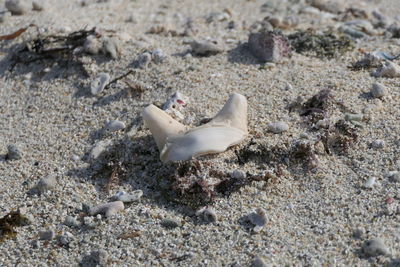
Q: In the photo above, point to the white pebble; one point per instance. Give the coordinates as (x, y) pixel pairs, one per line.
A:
(99, 83)
(124, 197)
(158, 56)
(115, 125)
(238, 174)
(375, 247)
(277, 127)
(378, 90)
(108, 209)
(92, 45)
(258, 219)
(46, 235)
(99, 148)
(47, 183)
(205, 48)
(370, 183)
(18, 7)
(111, 47)
(143, 60)
(207, 214)
(377, 144)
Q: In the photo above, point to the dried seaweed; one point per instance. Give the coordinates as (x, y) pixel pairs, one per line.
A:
(340, 137)
(326, 45)
(316, 104)
(8, 224)
(16, 33)
(52, 47)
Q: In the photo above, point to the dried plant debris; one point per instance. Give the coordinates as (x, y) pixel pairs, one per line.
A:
(340, 137)
(9, 222)
(325, 45)
(63, 49)
(16, 33)
(197, 184)
(314, 108)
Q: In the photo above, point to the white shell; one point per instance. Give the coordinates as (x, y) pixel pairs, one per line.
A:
(228, 128)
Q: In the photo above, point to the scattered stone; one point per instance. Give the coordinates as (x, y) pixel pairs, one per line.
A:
(170, 223)
(331, 6)
(269, 46)
(352, 32)
(388, 70)
(394, 176)
(47, 183)
(238, 174)
(128, 198)
(99, 83)
(358, 233)
(394, 29)
(66, 238)
(258, 262)
(71, 221)
(92, 45)
(47, 235)
(143, 60)
(35, 243)
(13, 153)
(4, 16)
(99, 148)
(375, 247)
(277, 127)
(205, 48)
(75, 157)
(378, 90)
(353, 117)
(158, 56)
(111, 47)
(258, 219)
(38, 5)
(114, 125)
(96, 258)
(207, 214)
(18, 7)
(108, 209)
(378, 144)
(369, 184)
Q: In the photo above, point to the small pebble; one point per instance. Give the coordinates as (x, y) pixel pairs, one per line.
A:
(92, 45)
(99, 83)
(66, 238)
(378, 90)
(128, 198)
(394, 176)
(71, 222)
(258, 219)
(158, 56)
(38, 5)
(111, 47)
(378, 144)
(13, 153)
(143, 60)
(114, 125)
(170, 223)
(388, 70)
(4, 16)
(258, 262)
(47, 183)
(374, 248)
(35, 243)
(108, 209)
(99, 148)
(370, 183)
(277, 127)
(207, 214)
(353, 117)
(46, 235)
(358, 233)
(18, 7)
(238, 174)
(269, 46)
(205, 48)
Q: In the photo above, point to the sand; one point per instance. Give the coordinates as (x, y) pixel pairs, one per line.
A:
(46, 109)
